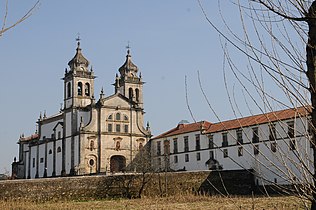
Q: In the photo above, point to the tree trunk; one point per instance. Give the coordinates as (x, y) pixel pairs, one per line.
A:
(311, 71)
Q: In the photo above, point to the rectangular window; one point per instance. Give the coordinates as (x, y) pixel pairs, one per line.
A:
(198, 156)
(292, 144)
(33, 162)
(210, 142)
(159, 162)
(158, 148)
(225, 140)
(175, 145)
(197, 142)
(42, 160)
(290, 129)
(239, 136)
(110, 128)
(126, 128)
(118, 128)
(211, 154)
(255, 135)
(175, 159)
(186, 157)
(240, 151)
(256, 149)
(186, 143)
(59, 135)
(273, 146)
(166, 147)
(225, 153)
(272, 131)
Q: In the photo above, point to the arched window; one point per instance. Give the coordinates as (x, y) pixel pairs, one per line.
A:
(87, 89)
(137, 94)
(118, 116)
(58, 149)
(68, 90)
(79, 89)
(130, 93)
(50, 151)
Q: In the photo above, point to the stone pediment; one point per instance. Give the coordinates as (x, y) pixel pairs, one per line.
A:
(117, 100)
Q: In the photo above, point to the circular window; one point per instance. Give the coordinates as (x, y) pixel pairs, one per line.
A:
(91, 162)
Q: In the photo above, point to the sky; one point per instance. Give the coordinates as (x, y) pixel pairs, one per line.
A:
(169, 40)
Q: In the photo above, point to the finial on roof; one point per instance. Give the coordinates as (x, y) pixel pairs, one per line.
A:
(78, 39)
(44, 114)
(147, 127)
(128, 48)
(102, 93)
(40, 117)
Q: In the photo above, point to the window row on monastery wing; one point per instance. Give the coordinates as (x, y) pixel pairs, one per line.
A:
(117, 117)
(185, 142)
(118, 128)
(187, 157)
(254, 137)
(256, 148)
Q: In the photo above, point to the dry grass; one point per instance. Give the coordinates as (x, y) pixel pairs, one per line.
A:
(173, 202)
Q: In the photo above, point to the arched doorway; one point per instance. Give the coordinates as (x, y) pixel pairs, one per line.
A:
(117, 163)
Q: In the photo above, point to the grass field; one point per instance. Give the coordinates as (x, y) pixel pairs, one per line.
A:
(173, 202)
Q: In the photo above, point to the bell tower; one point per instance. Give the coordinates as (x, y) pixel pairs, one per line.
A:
(130, 83)
(78, 81)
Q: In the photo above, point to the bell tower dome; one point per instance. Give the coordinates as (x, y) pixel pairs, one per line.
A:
(130, 83)
(78, 81)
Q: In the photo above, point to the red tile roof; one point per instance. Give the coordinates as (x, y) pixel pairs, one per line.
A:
(29, 138)
(237, 123)
(259, 119)
(185, 128)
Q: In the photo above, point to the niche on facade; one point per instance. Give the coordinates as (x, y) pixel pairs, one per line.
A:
(140, 143)
(91, 143)
(117, 143)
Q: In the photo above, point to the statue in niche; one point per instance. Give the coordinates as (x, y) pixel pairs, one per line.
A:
(117, 145)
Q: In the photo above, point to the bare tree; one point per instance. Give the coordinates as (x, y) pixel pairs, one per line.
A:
(278, 41)
(142, 165)
(5, 27)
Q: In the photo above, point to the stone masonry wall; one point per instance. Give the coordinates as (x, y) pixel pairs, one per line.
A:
(101, 186)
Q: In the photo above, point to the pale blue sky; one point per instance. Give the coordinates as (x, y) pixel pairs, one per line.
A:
(168, 39)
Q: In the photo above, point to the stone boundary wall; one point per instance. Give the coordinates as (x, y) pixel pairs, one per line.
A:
(123, 185)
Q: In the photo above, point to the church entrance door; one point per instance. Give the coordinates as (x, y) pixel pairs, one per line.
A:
(117, 163)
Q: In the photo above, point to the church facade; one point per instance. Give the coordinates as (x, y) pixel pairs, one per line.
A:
(88, 136)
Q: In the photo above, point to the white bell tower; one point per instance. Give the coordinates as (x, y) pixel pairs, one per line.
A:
(78, 81)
